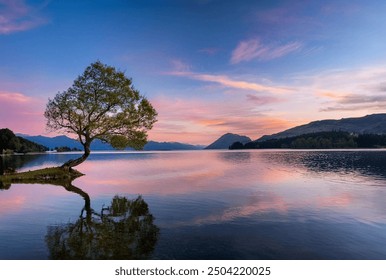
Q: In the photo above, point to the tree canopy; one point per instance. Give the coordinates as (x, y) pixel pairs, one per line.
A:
(101, 104)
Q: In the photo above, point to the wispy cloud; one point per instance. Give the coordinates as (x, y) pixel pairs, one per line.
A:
(16, 16)
(381, 87)
(262, 100)
(226, 81)
(13, 97)
(356, 91)
(356, 102)
(360, 99)
(254, 49)
(180, 66)
(268, 106)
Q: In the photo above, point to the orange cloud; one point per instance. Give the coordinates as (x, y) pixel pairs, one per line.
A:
(201, 122)
(231, 83)
(211, 122)
(330, 95)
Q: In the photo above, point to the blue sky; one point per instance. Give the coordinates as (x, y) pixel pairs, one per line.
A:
(208, 67)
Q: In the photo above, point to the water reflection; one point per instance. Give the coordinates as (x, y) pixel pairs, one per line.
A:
(4, 186)
(33, 161)
(241, 157)
(366, 163)
(209, 205)
(123, 230)
(14, 162)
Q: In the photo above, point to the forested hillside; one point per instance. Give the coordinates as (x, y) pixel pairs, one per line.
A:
(320, 140)
(10, 143)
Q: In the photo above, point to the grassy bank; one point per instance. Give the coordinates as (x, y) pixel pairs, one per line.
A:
(52, 175)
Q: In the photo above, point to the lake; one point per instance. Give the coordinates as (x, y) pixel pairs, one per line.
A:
(258, 204)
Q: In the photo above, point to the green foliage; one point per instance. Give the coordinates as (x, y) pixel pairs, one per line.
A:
(7, 140)
(102, 104)
(319, 140)
(236, 146)
(65, 149)
(10, 143)
(371, 140)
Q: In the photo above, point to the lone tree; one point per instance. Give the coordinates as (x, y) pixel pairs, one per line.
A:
(101, 104)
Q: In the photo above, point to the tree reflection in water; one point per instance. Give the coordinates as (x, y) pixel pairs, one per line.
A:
(124, 230)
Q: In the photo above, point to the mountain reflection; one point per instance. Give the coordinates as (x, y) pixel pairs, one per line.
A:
(366, 163)
(123, 230)
(14, 162)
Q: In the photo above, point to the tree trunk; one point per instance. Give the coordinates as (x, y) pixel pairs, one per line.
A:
(87, 202)
(74, 162)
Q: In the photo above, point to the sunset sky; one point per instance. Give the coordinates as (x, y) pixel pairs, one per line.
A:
(208, 66)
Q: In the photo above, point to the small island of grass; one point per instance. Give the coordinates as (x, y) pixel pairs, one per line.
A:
(50, 175)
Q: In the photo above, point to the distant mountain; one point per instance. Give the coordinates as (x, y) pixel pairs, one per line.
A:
(167, 146)
(370, 124)
(98, 145)
(64, 141)
(226, 140)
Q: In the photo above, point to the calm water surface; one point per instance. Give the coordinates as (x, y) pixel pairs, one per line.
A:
(201, 205)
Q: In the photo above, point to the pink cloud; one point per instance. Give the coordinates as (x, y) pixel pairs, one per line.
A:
(21, 113)
(13, 97)
(254, 49)
(346, 92)
(248, 50)
(201, 122)
(261, 100)
(17, 16)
